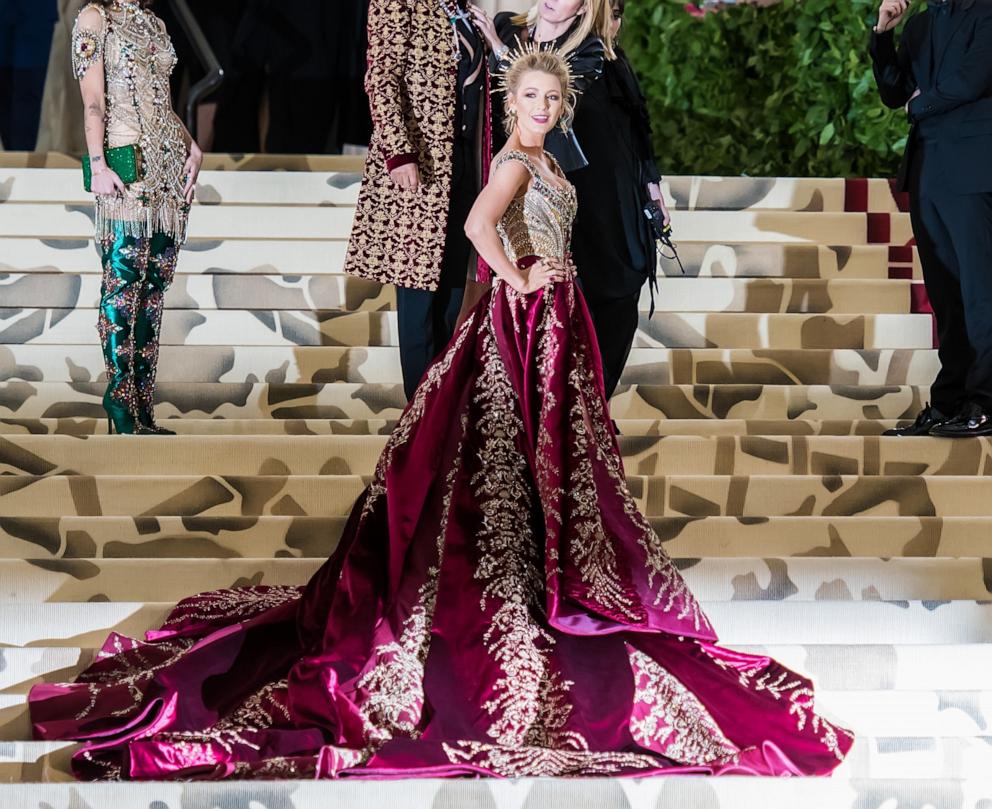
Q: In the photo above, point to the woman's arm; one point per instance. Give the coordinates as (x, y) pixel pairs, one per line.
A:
(643, 139)
(506, 184)
(499, 33)
(88, 36)
(194, 161)
(586, 63)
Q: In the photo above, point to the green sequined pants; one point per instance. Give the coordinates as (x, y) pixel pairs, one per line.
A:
(136, 273)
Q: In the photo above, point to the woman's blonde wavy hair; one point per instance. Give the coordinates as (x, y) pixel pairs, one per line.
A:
(549, 62)
(595, 19)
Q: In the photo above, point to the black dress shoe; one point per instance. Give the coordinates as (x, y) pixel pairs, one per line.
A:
(973, 420)
(929, 418)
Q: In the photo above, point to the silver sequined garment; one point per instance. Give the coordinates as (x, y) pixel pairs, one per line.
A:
(137, 57)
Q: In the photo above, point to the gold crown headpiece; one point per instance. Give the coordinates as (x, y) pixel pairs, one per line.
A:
(525, 50)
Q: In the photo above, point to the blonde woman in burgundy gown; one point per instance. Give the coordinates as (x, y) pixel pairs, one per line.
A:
(497, 605)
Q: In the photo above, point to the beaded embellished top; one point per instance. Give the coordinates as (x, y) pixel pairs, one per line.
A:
(538, 223)
(137, 57)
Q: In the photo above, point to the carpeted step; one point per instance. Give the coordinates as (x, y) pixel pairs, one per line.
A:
(699, 427)
(652, 366)
(756, 260)
(781, 295)
(722, 579)
(813, 536)
(767, 402)
(810, 194)
(97, 537)
(358, 455)
(738, 623)
(738, 330)
(341, 400)
(272, 293)
(797, 455)
(704, 258)
(755, 193)
(322, 188)
(899, 667)
(272, 427)
(728, 330)
(39, 220)
(190, 455)
(211, 162)
(761, 496)
(739, 792)
(77, 254)
(185, 496)
(27, 766)
(756, 496)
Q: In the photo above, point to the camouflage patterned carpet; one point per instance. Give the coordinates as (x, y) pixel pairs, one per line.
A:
(751, 411)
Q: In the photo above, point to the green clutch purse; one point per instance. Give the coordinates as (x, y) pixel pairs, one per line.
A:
(124, 161)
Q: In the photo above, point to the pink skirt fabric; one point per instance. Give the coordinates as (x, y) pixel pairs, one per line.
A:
(497, 606)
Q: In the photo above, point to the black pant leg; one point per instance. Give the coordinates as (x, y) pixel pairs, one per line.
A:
(969, 219)
(458, 250)
(941, 278)
(615, 321)
(427, 319)
(415, 318)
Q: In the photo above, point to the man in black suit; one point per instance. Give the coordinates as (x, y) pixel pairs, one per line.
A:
(942, 74)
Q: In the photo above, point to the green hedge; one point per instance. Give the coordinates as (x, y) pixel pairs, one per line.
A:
(782, 91)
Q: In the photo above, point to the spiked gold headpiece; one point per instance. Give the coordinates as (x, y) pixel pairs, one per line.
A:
(511, 60)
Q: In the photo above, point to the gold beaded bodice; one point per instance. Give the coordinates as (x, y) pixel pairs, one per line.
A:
(138, 58)
(539, 223)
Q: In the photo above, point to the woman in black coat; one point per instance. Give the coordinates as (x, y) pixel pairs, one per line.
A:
(608, 157)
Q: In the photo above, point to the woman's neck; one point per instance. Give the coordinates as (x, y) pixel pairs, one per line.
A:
(549, 31)
(527, 142)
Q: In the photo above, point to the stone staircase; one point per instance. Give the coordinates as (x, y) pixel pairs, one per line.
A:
(751, 414)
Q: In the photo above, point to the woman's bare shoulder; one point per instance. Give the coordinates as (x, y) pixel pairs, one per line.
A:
(91, 17)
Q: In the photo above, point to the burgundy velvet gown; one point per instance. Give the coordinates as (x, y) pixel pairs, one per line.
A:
(497, 606)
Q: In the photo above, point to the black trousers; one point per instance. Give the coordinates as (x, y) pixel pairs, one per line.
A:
(954, 237)
(615, 321)
(427, 319)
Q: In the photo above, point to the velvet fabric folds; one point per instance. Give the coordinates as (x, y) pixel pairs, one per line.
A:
(497, 606)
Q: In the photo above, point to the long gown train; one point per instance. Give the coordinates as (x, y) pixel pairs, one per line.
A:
(497, 605)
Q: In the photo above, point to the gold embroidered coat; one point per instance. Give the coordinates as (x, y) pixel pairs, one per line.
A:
(398, 236)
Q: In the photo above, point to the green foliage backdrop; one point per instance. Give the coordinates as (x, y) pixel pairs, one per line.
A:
(781, 91)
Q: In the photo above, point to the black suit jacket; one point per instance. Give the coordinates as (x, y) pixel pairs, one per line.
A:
(954, 108)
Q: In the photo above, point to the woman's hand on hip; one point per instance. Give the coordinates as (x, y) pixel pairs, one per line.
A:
(191, 171)
(106, 183)
(543, 273)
